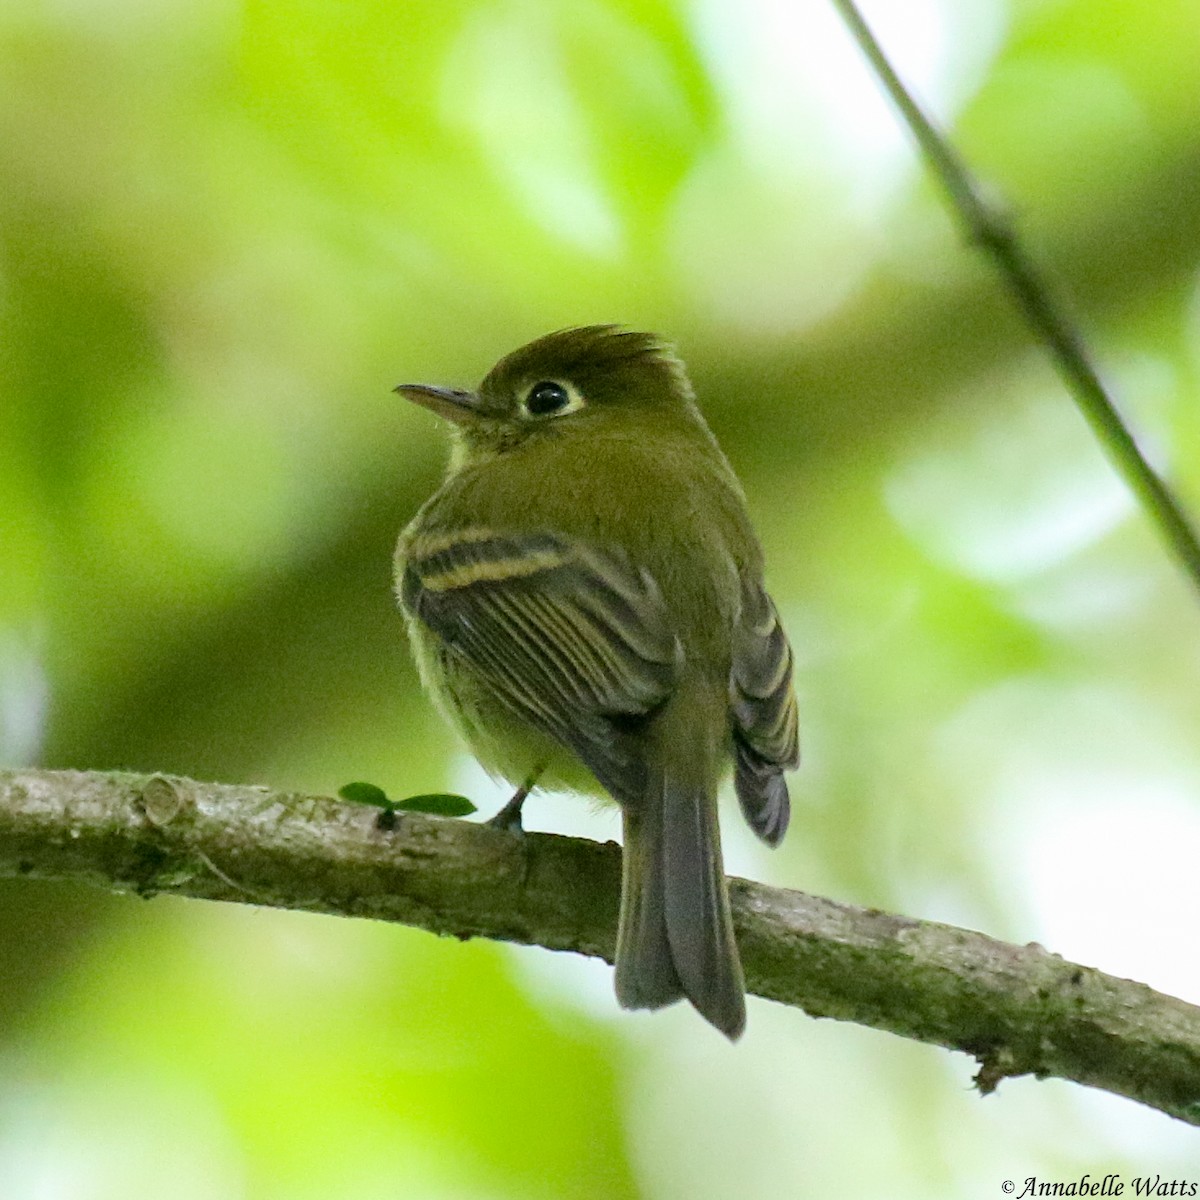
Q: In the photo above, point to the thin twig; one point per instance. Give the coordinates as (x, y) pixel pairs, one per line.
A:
(1017, 1009)
(993, 232)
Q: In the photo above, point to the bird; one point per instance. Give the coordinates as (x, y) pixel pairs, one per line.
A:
(585, 601)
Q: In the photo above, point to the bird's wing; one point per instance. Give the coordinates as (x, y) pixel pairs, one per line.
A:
(572, 638)
(766, 741)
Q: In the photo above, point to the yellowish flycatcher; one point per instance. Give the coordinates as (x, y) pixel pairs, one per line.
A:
(584, 595)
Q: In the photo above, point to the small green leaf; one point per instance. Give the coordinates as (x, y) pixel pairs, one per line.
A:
(365, 793)
(440, 804)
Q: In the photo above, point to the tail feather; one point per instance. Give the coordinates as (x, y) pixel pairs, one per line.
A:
(676, 934)
(645, 975)
(699, 924)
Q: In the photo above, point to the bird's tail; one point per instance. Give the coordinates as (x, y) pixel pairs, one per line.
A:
(676, 935)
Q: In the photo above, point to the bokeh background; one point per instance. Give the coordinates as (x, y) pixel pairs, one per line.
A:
(226, 230)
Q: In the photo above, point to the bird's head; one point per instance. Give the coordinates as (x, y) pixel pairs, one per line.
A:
(584, 382)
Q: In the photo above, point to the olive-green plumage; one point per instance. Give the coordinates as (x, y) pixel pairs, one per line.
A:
(585, 601)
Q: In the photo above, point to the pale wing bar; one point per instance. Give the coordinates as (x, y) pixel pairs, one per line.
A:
(574, 639)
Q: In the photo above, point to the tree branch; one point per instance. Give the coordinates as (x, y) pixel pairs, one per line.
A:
(987, 226)
(1018, 1010)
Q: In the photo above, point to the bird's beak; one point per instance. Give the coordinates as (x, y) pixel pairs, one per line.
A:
(451, 403)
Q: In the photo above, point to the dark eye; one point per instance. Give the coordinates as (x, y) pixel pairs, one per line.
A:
(545, 398)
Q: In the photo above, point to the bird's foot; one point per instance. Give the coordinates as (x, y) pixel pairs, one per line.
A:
(509, 817)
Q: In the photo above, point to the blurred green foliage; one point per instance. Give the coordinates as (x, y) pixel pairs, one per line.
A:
(227, 230)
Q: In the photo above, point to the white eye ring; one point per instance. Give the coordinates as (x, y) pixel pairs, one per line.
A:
(551, 398)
